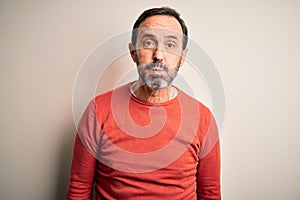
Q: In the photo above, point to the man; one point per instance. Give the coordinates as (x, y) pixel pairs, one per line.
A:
(148, 139)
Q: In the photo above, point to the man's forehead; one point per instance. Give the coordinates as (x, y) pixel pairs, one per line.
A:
(156, 32)
(163, 22)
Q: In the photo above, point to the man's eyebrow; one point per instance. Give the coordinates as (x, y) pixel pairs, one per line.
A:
(172, 36)
(149, 35)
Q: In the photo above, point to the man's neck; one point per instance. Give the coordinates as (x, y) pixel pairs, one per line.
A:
(149, 95)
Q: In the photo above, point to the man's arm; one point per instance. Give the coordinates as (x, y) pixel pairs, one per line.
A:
(208, 175)
(82, 173)
(84, 156)
(208, 170)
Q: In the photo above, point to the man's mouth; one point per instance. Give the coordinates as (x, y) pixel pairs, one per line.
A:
(157, 69)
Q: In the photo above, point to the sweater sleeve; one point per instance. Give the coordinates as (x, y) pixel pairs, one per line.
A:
(208, 171)
(82, 173)
(84, 160)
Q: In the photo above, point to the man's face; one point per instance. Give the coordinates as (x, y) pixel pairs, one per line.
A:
(158, 51)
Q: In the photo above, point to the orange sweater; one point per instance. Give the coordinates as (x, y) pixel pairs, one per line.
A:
(136, 150)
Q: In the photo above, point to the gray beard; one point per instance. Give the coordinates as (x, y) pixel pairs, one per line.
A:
(157, 81)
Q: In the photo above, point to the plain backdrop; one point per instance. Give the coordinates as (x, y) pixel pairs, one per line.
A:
(254, 44)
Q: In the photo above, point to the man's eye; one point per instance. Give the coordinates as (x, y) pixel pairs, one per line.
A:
(171, 45)
(149, 44)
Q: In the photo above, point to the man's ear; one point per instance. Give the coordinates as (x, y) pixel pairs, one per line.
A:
(184, 52)
(132, 52)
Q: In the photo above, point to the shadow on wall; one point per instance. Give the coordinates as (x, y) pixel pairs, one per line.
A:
(63, 165)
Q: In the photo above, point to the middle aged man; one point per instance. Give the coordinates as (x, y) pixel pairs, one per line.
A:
(148, 139)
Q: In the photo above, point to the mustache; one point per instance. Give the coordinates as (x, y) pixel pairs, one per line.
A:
(157, 64)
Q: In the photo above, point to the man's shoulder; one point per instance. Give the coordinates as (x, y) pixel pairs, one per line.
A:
(106, 97)
(188, 98)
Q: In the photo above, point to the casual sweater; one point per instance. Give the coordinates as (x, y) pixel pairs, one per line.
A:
(129, 149)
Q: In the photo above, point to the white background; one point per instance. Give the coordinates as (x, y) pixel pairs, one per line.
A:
(254, 44)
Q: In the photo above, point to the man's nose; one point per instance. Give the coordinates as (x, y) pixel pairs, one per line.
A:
(158, 54)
